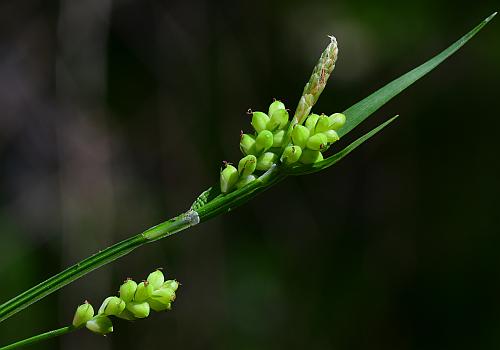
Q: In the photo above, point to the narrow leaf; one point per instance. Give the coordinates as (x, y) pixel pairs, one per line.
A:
(312, 168)
(363, 109)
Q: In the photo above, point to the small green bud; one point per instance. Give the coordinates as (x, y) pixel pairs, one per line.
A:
(172, 284)
(310, 156)
(156, 279)
(266, 160)
(331, 136)
(161, 299)
(278, 120)
(246, 166)
(245, 181)
(259, 121)
(127, 290)
(157, 306)
(300, 134)
(291, 154)
(278, 138)
(317, 142)
(337, 120)
(111, 306)
(228, 178)
(323, 124)
(144, 291)
(138, 309)
(311, 121)
(247, 144)
(100, 324)
(275, 106)
(263, 141)
(83, 314)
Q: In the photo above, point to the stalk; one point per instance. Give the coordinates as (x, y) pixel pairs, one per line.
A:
(40, 337)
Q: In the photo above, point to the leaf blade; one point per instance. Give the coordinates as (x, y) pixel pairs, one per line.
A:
(366, 107)
(328, 162)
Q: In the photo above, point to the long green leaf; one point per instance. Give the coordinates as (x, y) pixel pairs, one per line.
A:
(313, 168)
(364, 108)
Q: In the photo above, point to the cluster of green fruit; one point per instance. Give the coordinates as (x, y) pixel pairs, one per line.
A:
(135, 301)
(266, 146)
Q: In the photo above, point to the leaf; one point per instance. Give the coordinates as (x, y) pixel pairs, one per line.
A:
(313, 168)
(363, 109)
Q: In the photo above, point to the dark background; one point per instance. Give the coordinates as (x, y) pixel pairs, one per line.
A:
(114, 116)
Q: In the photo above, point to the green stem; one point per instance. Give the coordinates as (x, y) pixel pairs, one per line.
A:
(181, 222)
(40, 337)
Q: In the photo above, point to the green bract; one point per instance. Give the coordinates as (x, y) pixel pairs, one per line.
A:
(127, 290)
(263, 141)
(247, 144)
(156, 279)
(259, 121)
(100, 324)
(291, 154)
(300, 135)
(246, 166)
(337, 120)
(83, 313)
(112, 306)
(228, 178)
(276, 105)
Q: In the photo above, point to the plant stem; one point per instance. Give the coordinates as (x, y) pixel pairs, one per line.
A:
(219, 205)
(40, 337)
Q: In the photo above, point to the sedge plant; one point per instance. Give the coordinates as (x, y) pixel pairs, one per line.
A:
(278, 147)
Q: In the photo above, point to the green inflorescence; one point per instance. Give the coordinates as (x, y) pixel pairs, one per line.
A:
(134, 302)
(265, 147)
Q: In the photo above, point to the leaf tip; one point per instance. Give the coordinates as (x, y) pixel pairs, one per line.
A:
(491, 16)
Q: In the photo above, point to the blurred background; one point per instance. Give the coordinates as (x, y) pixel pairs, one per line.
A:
(115, 115)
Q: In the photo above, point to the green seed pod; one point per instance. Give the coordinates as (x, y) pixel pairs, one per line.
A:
(331, 136)
(310, 156)
(156, 279)
(317, 142)
(100, 324)
(266, 161)
(161, 299)
(172, 284)
(247, 144)
(127, 290)
(273, 107)
(263, 141)
(157, 306)
(111, 306)
(144, 291)
(323, 124)
(83, 314)
(278, 120)
(300, 135)
(259, 121)
(278, 137)
(311, 121)
(337, 120)
(291, 154)
(228, 178)
(246, 166)
(138, 309)
(245, 181)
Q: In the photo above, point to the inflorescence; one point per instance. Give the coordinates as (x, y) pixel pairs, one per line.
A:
(135, 301)
(265, 147)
